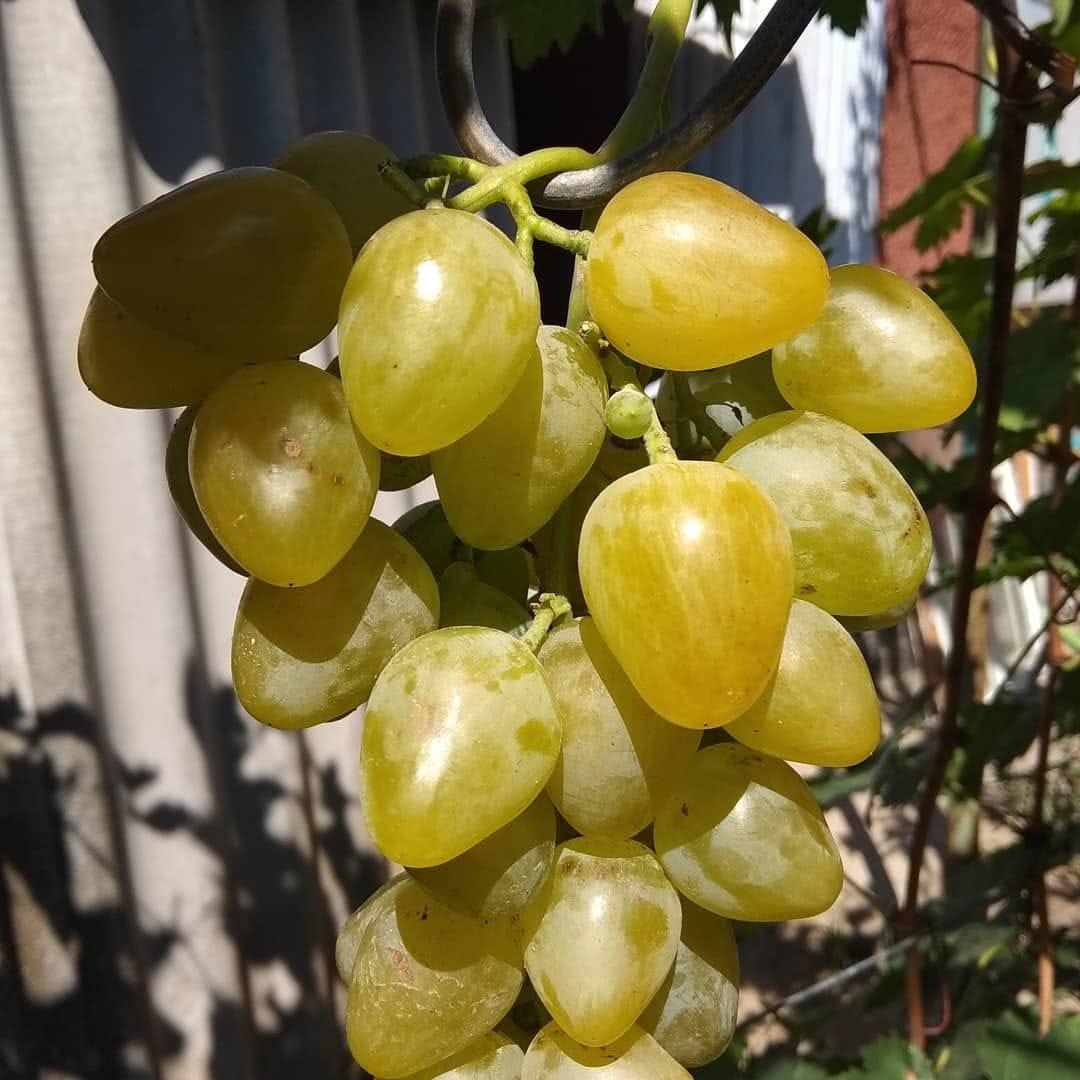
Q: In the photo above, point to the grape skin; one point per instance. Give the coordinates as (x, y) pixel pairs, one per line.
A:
(465, 600)
(493, 1057)
(438, 319)
(635, 1055)
(307, 655)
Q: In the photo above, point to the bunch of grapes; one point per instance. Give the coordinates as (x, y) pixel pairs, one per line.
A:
(583, 798)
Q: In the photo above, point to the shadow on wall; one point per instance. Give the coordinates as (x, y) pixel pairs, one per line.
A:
(91, 1023)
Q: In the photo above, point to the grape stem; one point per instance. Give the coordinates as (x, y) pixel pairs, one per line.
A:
(421, 196)
(547, 609)
(621, 375)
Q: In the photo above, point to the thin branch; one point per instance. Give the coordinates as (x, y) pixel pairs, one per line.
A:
(1016, 80)
(958, 68)
(1002, 16)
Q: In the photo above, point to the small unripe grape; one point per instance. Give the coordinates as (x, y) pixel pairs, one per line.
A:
(460, 735)
(601, 936)
(742, 836)
(881, 356)
(344, 166)
(833, 721)
(554, 1055)
(628, 413)
(685, 273)
(279, 472)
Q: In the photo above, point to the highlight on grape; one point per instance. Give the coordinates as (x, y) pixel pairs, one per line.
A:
(587, 665)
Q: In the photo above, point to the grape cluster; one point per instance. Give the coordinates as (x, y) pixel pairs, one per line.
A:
(581, 801)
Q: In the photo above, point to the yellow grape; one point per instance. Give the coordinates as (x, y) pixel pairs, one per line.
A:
(351, 934)
(125, 361)
(425, 982)
(601, 936)
(881, 356)
(820, 707)
(880, 620)
(306, 655)
(554, 1055)
(687, 570)
(249, 261)
(460, 735)
(694, 1012)
(438, 320)
(862, 542)
(279, 473)
(686, 273)
(492, 1057)
(344, 166)
(501, 874)
(505, 478)
(742, 836)
(619, 759)
(465, 600)
(179, 480)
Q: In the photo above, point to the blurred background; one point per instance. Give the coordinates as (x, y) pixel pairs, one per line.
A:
(173, 874)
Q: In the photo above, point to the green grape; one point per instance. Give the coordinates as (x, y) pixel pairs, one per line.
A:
(344, 166)
(601, 937)
(279, 473)
(437, 323)
(248, 261)
(500, 875)
(400, 473)
(460, 736)
(351, 934)
(694, 1012)
(881, 620)
(126, 362)
(862, 542)
(619, 759)
(179, 480)
(628, 413)
(687, 570)
(425, 982)
(465, 600)
(504, 479)
(801, 716)
(556, 544)
(881, 356)
(742, 836)
(311, 654)
(685, 273)
(635, 1055)
(492, 1057)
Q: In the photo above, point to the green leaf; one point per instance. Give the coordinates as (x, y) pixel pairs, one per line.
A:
(892, 1057)
(994, 733)
(1062, 12)
(940, 200)
(819, 227)
(960, 286)
(1043, 532)
(845, 15)
(534, 26)
(1011, 1049)
(726, 10)
(1068, 702)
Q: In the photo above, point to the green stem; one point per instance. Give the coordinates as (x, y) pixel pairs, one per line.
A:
(400, 180)
(548, 608)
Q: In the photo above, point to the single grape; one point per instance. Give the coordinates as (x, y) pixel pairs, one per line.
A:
(126, 362)
(311, 654)
(553, 1055)
(351, 934)
(344, 166)
(460, 736)
(504, 479)
(425, 982)
(279, 473)
(492, 1057)
(687, 570)
(601, 936)
(400, 473)
(619, 759)
(862, 542)
(438, 320)
(801, 716)
(465, 600)
(248, 262)
(742, 836)
(500, 875)
(881, 356)
(179, 480)
(694, 1012)
(685, 273)
(628, 413)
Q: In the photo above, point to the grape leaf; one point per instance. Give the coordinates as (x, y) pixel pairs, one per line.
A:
(960, 286)
(534, 26)
(1011, 1049)
(845, 15)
